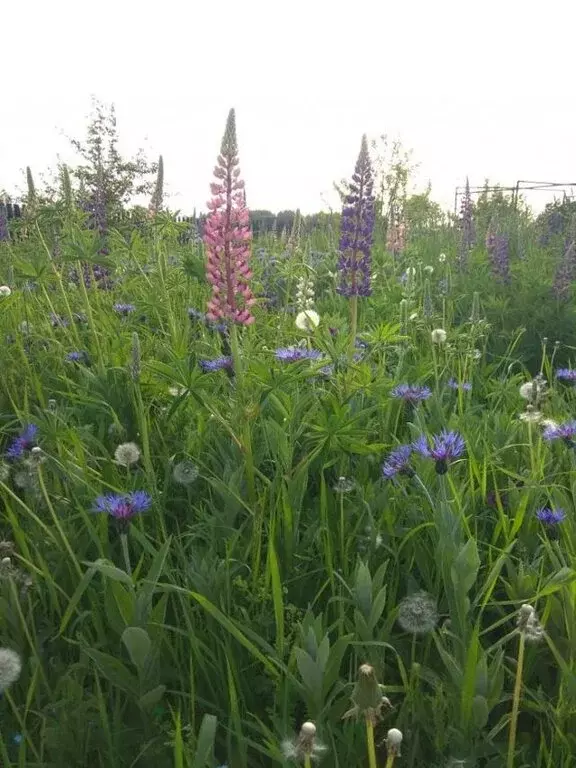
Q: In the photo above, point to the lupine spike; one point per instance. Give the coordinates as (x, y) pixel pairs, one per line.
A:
(158, 195)
(31, 188)
(227, 237)
(468, 235)
(357, 229)
(66, 187)
(4, 234)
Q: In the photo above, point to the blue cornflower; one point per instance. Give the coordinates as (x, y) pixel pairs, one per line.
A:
(123, 309)
(465, 386)
(411, 393)
(550, 516)
(294, 354)
(566, 374)
(76, 357)
(398, 462)
(123, 506)
(25, 440)
(566, 432)
(215, 365)
(196, 314)
(446, 447)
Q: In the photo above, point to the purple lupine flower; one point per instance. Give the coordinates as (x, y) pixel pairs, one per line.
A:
(468, 234)
(566, 374)
(465, 386)
(123, 506)
(446, 447)
(4, 234)
(219, 364)
(550, 516)
(398, 462)
(357, 229)
(295, 354)
(24, 442)
(498, 253)
(411, 393)
(565, 272)
(123, 309)
(566, 432)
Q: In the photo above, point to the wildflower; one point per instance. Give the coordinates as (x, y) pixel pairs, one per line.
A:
(357, 229)
(76, 357)
(22, 443)
(398, 462)
(5, 291)
(10, 668)
(442, 258)
(429, 269)
(367, 698)
(185, 473)
(465, 386)
(566, 432)
(124, 309)
(393, 741)
(305, 293)
(533, 390)
(195, 314)
(418, 613)
(123, 506)
(550, 516)
(227, 236)
(127, 454)
(307, 320)
(411, 393)
(176, 391)
(446, 447)
(439, 336)
(529, 625)
(548, 424)
(468, 234)
(344, 485)
(295, 354)
(499, 256)
(218, 364)
(305, 746)
(566, 374)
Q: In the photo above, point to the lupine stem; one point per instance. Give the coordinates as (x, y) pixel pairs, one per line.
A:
(371, 745)
(516, 702)
(353, 325)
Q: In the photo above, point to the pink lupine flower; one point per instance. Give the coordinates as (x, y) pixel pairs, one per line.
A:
(227, 237)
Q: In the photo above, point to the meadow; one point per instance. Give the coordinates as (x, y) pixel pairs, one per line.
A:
(302, 496)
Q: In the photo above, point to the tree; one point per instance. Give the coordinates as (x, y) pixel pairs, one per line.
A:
(106, 176)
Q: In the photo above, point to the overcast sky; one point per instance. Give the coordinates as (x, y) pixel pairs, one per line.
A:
(484, 89)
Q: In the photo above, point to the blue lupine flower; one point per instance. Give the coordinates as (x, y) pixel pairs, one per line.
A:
(25, 440)
(465, 386)
(446, 447)
(566, 432)
(294, 354)
(123, 506)
(218, 364)
(124, 309)
(550, 516)
(398, 462)
(411, 393)
(566, 374)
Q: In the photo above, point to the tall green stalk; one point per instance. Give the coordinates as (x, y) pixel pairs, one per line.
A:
(371, 744)
(516, 701)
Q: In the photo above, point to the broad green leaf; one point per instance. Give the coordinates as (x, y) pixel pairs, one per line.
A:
(138, 644)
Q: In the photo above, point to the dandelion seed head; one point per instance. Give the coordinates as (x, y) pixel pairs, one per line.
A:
(185, 472)
(418, 613)
(127, 454)
(394, 741)
(439, 336)
(5, 291)
(10, 668)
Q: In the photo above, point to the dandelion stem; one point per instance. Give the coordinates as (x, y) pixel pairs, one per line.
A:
(390, 761)
(371, 745)
(307, 762)
(516, 702)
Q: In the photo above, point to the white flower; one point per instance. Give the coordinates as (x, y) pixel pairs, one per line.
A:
(307, 320)
(429, 269)
(5, 291)
(442, 258)
(413, 316)
(10, 668)
(410, 272)
(176, 391)
(25, 326)
(532, 390)
(418, 613)
(394, 741)
(439, 336)
(126, 454)
(531, 415)
(185, 472)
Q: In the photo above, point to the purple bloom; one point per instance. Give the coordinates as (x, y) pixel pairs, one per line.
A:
(498, 253)
(566, 432)
(566, 374)
(357, 229)
(25, 440)
(565, 273)
(446, 447)
(124, 309)
(123, 506)
(196, 314)
(295, 354)
(411, 393)
(398, 462)
(4, 234)
(550, 516)
(76, 357)
(218, 364)
(465, 386)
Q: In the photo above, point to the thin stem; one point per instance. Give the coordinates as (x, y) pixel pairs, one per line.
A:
(342, 536)
(126, 553)
(353, 325)
(371, 746)
(307, 762)
(516, 702)
(390, 761)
